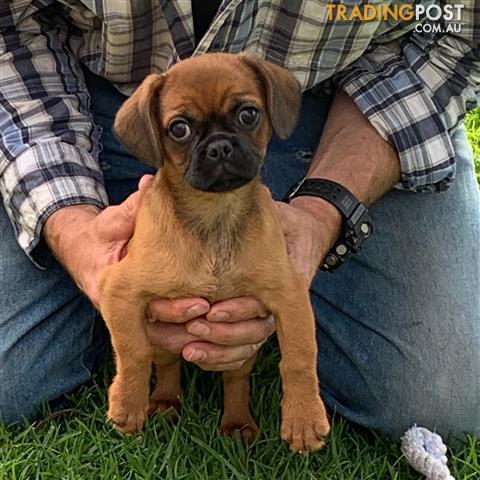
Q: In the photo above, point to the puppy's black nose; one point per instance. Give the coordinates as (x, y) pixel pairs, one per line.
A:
(219, 150)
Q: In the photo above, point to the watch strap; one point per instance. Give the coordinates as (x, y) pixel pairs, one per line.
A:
(356, 226)
(329, 190)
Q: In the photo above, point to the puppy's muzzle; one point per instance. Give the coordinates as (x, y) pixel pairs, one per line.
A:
(222, 162)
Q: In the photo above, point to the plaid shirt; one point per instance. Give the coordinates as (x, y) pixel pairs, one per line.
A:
(413, 87)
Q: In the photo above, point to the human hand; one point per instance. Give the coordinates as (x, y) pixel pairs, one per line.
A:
(86, 239)
(221, 336)
(310, 225)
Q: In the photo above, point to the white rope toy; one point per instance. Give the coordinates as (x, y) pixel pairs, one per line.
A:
(426, 453)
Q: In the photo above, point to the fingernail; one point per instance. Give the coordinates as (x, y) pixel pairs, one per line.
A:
(196, 356)
(196, 310)
(219, 316)
(198, 328)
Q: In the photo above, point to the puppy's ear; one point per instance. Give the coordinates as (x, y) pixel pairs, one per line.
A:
(282, 93)
(137, 123)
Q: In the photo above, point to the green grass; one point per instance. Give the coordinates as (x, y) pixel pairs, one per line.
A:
(79, 445)
(473, 127)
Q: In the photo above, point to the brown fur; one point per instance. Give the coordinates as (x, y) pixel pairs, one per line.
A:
(213, 245)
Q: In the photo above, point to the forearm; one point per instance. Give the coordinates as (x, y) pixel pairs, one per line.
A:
(354, 155)
(63, 227)
(66, 233)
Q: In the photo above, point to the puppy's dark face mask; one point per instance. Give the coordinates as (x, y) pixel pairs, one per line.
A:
(208, 120)
(222, 152)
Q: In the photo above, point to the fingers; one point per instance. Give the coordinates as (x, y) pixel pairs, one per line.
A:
(169, 336)
(176, 311)
(231, 334)
(217, 358)
(117, 223)
(210, 356)
(228, 345)
(218, 337)
(145, 183)
(182, 310)
(236, 309)
(129, 207)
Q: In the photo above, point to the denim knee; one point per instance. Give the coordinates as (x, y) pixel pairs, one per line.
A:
(44, 358)
(389, 384)
(15, 402)
(431, 398)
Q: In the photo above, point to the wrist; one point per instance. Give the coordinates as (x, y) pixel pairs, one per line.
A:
(355, 225)
(326, 215)
(66, 233)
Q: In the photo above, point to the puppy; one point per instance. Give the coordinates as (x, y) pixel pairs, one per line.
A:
(208, 228)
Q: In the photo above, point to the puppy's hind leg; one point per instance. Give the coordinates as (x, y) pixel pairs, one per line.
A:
(236, 400)
(128, 395)
(168, 390)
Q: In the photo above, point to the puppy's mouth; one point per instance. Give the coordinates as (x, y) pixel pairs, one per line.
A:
(221, 166)
(224, 177)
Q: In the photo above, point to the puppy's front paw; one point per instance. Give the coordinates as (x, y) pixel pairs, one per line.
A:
(304, 427)
(247, 428)
(127, 412)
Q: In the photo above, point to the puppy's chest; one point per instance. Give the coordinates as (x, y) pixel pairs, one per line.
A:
(215, 264)
(216, 274)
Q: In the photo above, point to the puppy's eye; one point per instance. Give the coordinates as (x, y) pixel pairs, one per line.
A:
(248, 116)
(179, 130)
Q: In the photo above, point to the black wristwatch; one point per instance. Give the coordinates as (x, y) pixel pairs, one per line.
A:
(356, 225)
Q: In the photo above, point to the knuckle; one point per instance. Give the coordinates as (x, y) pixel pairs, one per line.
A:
(228, 366)
(235, 365)
(207, 367)
(166, 343)
(220, 366)
(269, 327)
(154, 311)
(129, 205)
(257, 310)
(253, 349)
(260, 310)
(165, 310)
(176, 348)
(221, 336)
(215, 356)
(149, 316)
(221, 356)
(244, 353)
(172, 344)
(165, 314)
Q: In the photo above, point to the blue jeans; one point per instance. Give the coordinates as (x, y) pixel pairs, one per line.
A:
(398, 327)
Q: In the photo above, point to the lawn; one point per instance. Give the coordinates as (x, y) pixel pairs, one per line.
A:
(473, 126)
(78, 443)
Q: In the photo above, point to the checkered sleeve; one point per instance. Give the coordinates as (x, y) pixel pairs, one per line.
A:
(48, 143)
(415, 92)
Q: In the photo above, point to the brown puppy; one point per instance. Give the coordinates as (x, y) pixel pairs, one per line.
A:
(208, 228)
